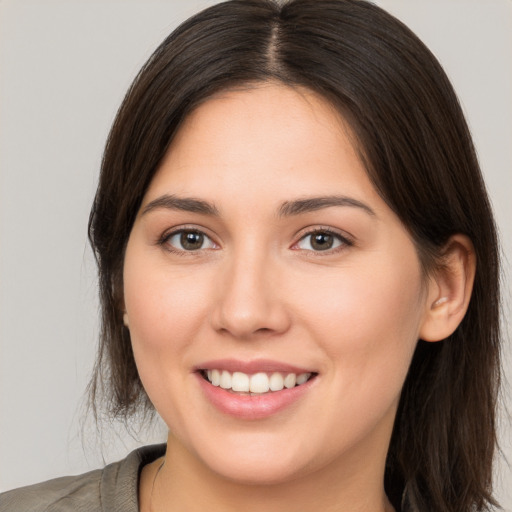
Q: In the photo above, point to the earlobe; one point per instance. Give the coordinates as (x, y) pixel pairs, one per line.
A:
(449, 290)
(125, 319)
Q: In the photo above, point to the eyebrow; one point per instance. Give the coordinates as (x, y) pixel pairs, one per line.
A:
(312, 204)
(186, 204)
(287, 209)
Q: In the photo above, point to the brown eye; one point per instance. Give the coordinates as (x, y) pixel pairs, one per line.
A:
(321, 241)
(189, 240)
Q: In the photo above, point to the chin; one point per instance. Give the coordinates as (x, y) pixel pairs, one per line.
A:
(257, 461)
(247, 472)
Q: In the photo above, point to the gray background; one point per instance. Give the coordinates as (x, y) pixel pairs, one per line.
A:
(64, 68)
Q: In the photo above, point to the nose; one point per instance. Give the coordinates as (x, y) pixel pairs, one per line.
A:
(250, 301)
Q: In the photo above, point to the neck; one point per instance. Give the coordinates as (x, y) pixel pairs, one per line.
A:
(183, 482)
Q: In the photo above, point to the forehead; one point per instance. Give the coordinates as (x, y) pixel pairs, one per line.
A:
(270, 110)
(268, 141)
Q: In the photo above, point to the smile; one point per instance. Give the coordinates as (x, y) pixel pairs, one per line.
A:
(257, 383)
(254, 390)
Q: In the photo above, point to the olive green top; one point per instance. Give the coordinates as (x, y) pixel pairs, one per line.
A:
(111, 489)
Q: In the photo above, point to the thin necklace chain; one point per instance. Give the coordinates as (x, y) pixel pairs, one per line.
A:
(153, 486)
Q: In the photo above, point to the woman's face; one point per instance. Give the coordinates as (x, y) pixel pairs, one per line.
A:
(262, 254)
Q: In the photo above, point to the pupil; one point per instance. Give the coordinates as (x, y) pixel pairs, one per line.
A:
(322, 241)
(191, 241)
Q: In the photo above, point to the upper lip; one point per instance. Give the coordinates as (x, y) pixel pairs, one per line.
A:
(251, 367)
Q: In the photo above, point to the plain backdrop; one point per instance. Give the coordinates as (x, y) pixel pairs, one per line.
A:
(64, 68)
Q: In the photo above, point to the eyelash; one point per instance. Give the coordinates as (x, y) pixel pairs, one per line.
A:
(166, 237)
(343, 240)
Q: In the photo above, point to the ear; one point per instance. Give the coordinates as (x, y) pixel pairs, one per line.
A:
(125, 314)
(118, 295)
(449, 290)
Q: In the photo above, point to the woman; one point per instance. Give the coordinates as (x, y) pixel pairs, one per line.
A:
(298, 271)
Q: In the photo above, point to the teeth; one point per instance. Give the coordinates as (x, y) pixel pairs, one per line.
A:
(257, 382)
(225, 380)
(240, 382)
(303, 377)
(215, 377)
(289, 380)
(276, 382)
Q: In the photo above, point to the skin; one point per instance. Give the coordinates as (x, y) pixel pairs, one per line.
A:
(258, 289)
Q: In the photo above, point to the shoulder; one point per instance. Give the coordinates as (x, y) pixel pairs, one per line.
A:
(111, 489)
(68, 493)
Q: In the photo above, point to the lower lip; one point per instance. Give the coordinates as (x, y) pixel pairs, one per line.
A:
(252, 407)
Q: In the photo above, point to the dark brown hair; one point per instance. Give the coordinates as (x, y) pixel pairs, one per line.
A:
(418, 152)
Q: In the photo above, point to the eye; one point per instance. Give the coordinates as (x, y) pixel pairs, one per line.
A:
(188, 240)
(322, 240)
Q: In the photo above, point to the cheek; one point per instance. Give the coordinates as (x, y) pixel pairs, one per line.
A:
(367, 321)
(353, 303)
(165, 309)
(163, 306)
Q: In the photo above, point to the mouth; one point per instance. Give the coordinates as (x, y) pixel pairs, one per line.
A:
(256, 389)
(259, 383)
